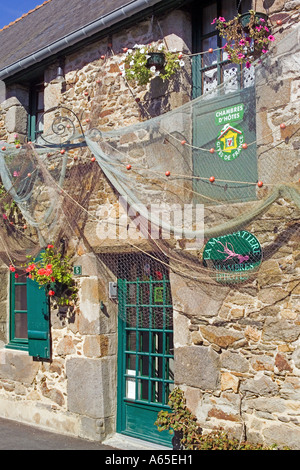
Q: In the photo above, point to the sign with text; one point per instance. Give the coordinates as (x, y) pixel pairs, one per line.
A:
(234, 257)
(77, 270)
(229, 114)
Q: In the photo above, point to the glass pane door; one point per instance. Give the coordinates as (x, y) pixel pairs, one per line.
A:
(146, 337)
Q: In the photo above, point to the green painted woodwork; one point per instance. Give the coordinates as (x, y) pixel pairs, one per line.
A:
(36, 108)
(38, 321)
(18, 337)
(206, 129)
(29, 317)
(145, 375)
(241, 169)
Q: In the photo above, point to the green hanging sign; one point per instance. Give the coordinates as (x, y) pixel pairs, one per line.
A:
(234, 257)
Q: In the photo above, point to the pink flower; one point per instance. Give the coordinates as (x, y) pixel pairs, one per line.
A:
(213, 21)
(262, 20)
(248, 65)
(241, 56)
(264, 51)
(4, 216)
(52, 279)
(271, 38)
(266, 28)
(242, 42)
(222, 19)
(248, 39)
(258, 28)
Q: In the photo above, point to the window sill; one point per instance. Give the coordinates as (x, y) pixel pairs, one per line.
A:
(17, 346)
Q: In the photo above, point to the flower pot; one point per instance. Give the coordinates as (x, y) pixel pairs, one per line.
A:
(245, 18)
(156, 59)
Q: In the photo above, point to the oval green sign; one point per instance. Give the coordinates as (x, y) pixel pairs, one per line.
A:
(233, 257)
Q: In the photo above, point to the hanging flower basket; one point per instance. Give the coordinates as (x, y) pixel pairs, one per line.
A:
(156, 59)
(53, 272)
(248, 36)
(245, 19)
(143, 63)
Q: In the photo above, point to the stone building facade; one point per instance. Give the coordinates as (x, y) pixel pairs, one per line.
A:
(237, 352)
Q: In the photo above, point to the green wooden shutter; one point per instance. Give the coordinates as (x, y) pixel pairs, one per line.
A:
(38, 317)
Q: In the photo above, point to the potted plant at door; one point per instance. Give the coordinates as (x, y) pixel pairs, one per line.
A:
(248, 36)
(143, 63)
(53, 272)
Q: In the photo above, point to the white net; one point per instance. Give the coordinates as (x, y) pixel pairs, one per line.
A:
(216, 166)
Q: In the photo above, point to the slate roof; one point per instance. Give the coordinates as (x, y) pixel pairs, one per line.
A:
(49, 22)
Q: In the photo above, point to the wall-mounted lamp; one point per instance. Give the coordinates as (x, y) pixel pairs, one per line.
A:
(60, 74)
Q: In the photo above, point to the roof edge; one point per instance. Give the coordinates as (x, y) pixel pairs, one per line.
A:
(104, 22)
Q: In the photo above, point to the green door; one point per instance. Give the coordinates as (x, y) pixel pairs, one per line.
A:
(145, 377)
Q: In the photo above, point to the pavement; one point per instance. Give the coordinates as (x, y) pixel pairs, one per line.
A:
(19, 436)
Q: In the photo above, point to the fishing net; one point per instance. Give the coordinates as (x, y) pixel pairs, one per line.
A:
(216, 169)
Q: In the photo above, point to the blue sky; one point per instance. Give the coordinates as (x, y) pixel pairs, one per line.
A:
(10, 10)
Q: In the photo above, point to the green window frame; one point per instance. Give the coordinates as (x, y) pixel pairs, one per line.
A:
(29, 322)
(18, 331)
(36, 111)
(205, 36)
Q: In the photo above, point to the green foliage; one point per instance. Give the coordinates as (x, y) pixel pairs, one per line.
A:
(245, 43)
(137, 67)
(181, 420)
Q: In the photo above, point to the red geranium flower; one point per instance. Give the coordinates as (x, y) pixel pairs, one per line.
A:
(31, 267)
(51, 293)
